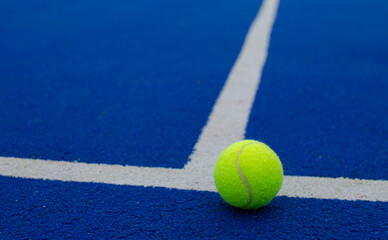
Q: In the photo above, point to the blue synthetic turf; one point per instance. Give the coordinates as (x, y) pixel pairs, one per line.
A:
(118, 82)
(37, 209)
(133, 82)
(322, 103)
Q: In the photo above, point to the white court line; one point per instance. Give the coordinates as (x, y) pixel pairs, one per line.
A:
(293, 186)
(226, 124)
(228, 120)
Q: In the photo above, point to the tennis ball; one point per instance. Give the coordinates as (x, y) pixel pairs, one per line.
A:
(248, 174)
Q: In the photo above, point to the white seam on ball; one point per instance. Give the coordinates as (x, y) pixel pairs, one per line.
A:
(242, 176)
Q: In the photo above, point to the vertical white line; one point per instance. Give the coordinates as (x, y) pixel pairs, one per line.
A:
(228, 120)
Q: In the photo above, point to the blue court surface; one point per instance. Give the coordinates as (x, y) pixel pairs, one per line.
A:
(113, 114)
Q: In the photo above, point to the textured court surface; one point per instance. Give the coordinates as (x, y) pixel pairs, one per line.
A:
(127, 104)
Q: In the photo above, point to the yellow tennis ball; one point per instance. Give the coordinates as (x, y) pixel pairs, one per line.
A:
(248, 174)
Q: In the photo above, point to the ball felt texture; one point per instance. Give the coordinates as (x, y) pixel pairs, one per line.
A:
(248, 174)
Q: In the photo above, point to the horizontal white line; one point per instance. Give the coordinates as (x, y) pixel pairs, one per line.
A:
(335, 188)
(293, 186)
